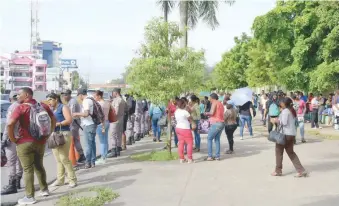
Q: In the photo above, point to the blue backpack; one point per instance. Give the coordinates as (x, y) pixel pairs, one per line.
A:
(273, 110)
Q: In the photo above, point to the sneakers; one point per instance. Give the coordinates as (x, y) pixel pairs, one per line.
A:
(44, 193)
(182, 161)
(72, 184)
(56, 184)
(81, 159)
(241, 138)
(100, 161)
(26, 201)
(190, 161)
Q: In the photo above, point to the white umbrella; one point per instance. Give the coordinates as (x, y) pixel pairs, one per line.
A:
(241, 96)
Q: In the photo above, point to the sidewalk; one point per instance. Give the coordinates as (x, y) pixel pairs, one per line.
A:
(242, 179)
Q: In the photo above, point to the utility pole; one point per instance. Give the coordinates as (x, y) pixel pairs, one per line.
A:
(34, 4)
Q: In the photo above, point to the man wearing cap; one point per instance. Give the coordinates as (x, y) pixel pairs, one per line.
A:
(13, 163)
(119, 105)
(89, 127)
(74, 106)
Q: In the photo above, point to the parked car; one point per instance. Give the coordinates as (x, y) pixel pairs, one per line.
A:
(4, 108)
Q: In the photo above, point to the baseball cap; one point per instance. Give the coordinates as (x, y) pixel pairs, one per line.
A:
(82, 91)
(67, 92)
(13, 95)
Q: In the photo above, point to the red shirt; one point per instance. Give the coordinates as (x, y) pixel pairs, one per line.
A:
(218, 115)
(171, 108)
(22, 114)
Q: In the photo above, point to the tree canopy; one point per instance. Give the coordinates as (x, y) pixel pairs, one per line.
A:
(163, 69)
(295, 45)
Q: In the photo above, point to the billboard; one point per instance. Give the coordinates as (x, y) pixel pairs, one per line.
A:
(68, 63)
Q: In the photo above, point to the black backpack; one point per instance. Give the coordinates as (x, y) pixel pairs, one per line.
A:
(98, 115)
(131, 105)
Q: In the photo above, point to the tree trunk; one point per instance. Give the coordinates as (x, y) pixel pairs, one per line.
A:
(166, 12)
(183, 9)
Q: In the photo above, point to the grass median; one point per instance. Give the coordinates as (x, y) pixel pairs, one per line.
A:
(95, 196)
(162, 155)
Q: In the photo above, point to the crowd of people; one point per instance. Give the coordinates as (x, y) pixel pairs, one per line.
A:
(57, 122)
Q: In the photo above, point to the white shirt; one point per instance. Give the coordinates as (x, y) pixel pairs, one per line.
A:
(181, 117)
(315, 103)
(87, 104)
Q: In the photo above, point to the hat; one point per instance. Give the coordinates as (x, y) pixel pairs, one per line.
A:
(13, 95)
(118, 90)
(67, 92)
(82, 91)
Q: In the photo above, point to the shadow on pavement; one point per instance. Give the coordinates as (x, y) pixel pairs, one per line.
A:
(328, 201)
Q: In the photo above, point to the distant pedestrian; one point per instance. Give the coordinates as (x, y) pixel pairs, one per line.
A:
(32, 140)
(287, 120)
(156, 112)
(63, 117)
(231, 125)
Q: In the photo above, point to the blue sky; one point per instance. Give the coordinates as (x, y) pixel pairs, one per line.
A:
(104, 35)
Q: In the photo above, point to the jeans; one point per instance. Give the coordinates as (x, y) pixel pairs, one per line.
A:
(90, 133)
(243, 120)
(31, 156)
(320, 114)
(214, 134)
(229, 130)
(314, 120)
(103, 138)
(175, 136)
(63, 163)
(156, 128)
(301, 126)
(197, 138)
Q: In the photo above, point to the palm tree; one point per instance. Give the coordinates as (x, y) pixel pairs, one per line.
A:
(166, 7)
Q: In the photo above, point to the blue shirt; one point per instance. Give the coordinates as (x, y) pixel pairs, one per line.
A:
(59, 116)
(202, 108)
(155, 109)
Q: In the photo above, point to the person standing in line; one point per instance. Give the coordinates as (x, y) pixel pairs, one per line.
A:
(263, 102)
(230, 118)
(300, 107)
(335, 109)
(74, 106)
(246, 113)
(322, 103)
(130, 121)
(103, 136)
(14, 165)
(63, 117)
(287, 120)
(119, 106)
(137, 121)
(315, 105)
(31, 149)
(195, 114)
(89, 127)
(156, 112)
(146, 118)
(272, 111)
(183, 130)
(217, 125)
(171, 108)
(207, 104)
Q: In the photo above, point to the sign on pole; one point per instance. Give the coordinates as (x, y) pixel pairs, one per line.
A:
(68, 63)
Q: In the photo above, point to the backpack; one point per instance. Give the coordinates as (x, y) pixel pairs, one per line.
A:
(39, 122)
(98, 115)
(273, 110)
(131, 105)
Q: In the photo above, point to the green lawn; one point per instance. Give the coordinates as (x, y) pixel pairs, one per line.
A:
(162, 155)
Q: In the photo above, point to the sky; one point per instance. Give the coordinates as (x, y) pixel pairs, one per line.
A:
(104, 35)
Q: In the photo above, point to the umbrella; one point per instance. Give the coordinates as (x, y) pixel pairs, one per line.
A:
(241, 96)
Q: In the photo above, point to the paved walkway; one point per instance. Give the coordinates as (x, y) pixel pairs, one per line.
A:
(241, 179)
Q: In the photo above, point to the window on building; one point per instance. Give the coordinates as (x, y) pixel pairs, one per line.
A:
(20, 74)
(22, 84)
(39, 69)
(39, 78)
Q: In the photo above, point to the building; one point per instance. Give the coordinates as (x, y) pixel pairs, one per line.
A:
(52, 79)
(23, 69)
(49, 51)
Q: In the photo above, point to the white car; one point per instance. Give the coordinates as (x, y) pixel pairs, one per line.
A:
(4, 107)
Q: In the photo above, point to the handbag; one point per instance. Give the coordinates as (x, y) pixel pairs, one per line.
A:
(56, 139)
(277, 136)
(204, 126)
(112, 116)
(163, 119)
